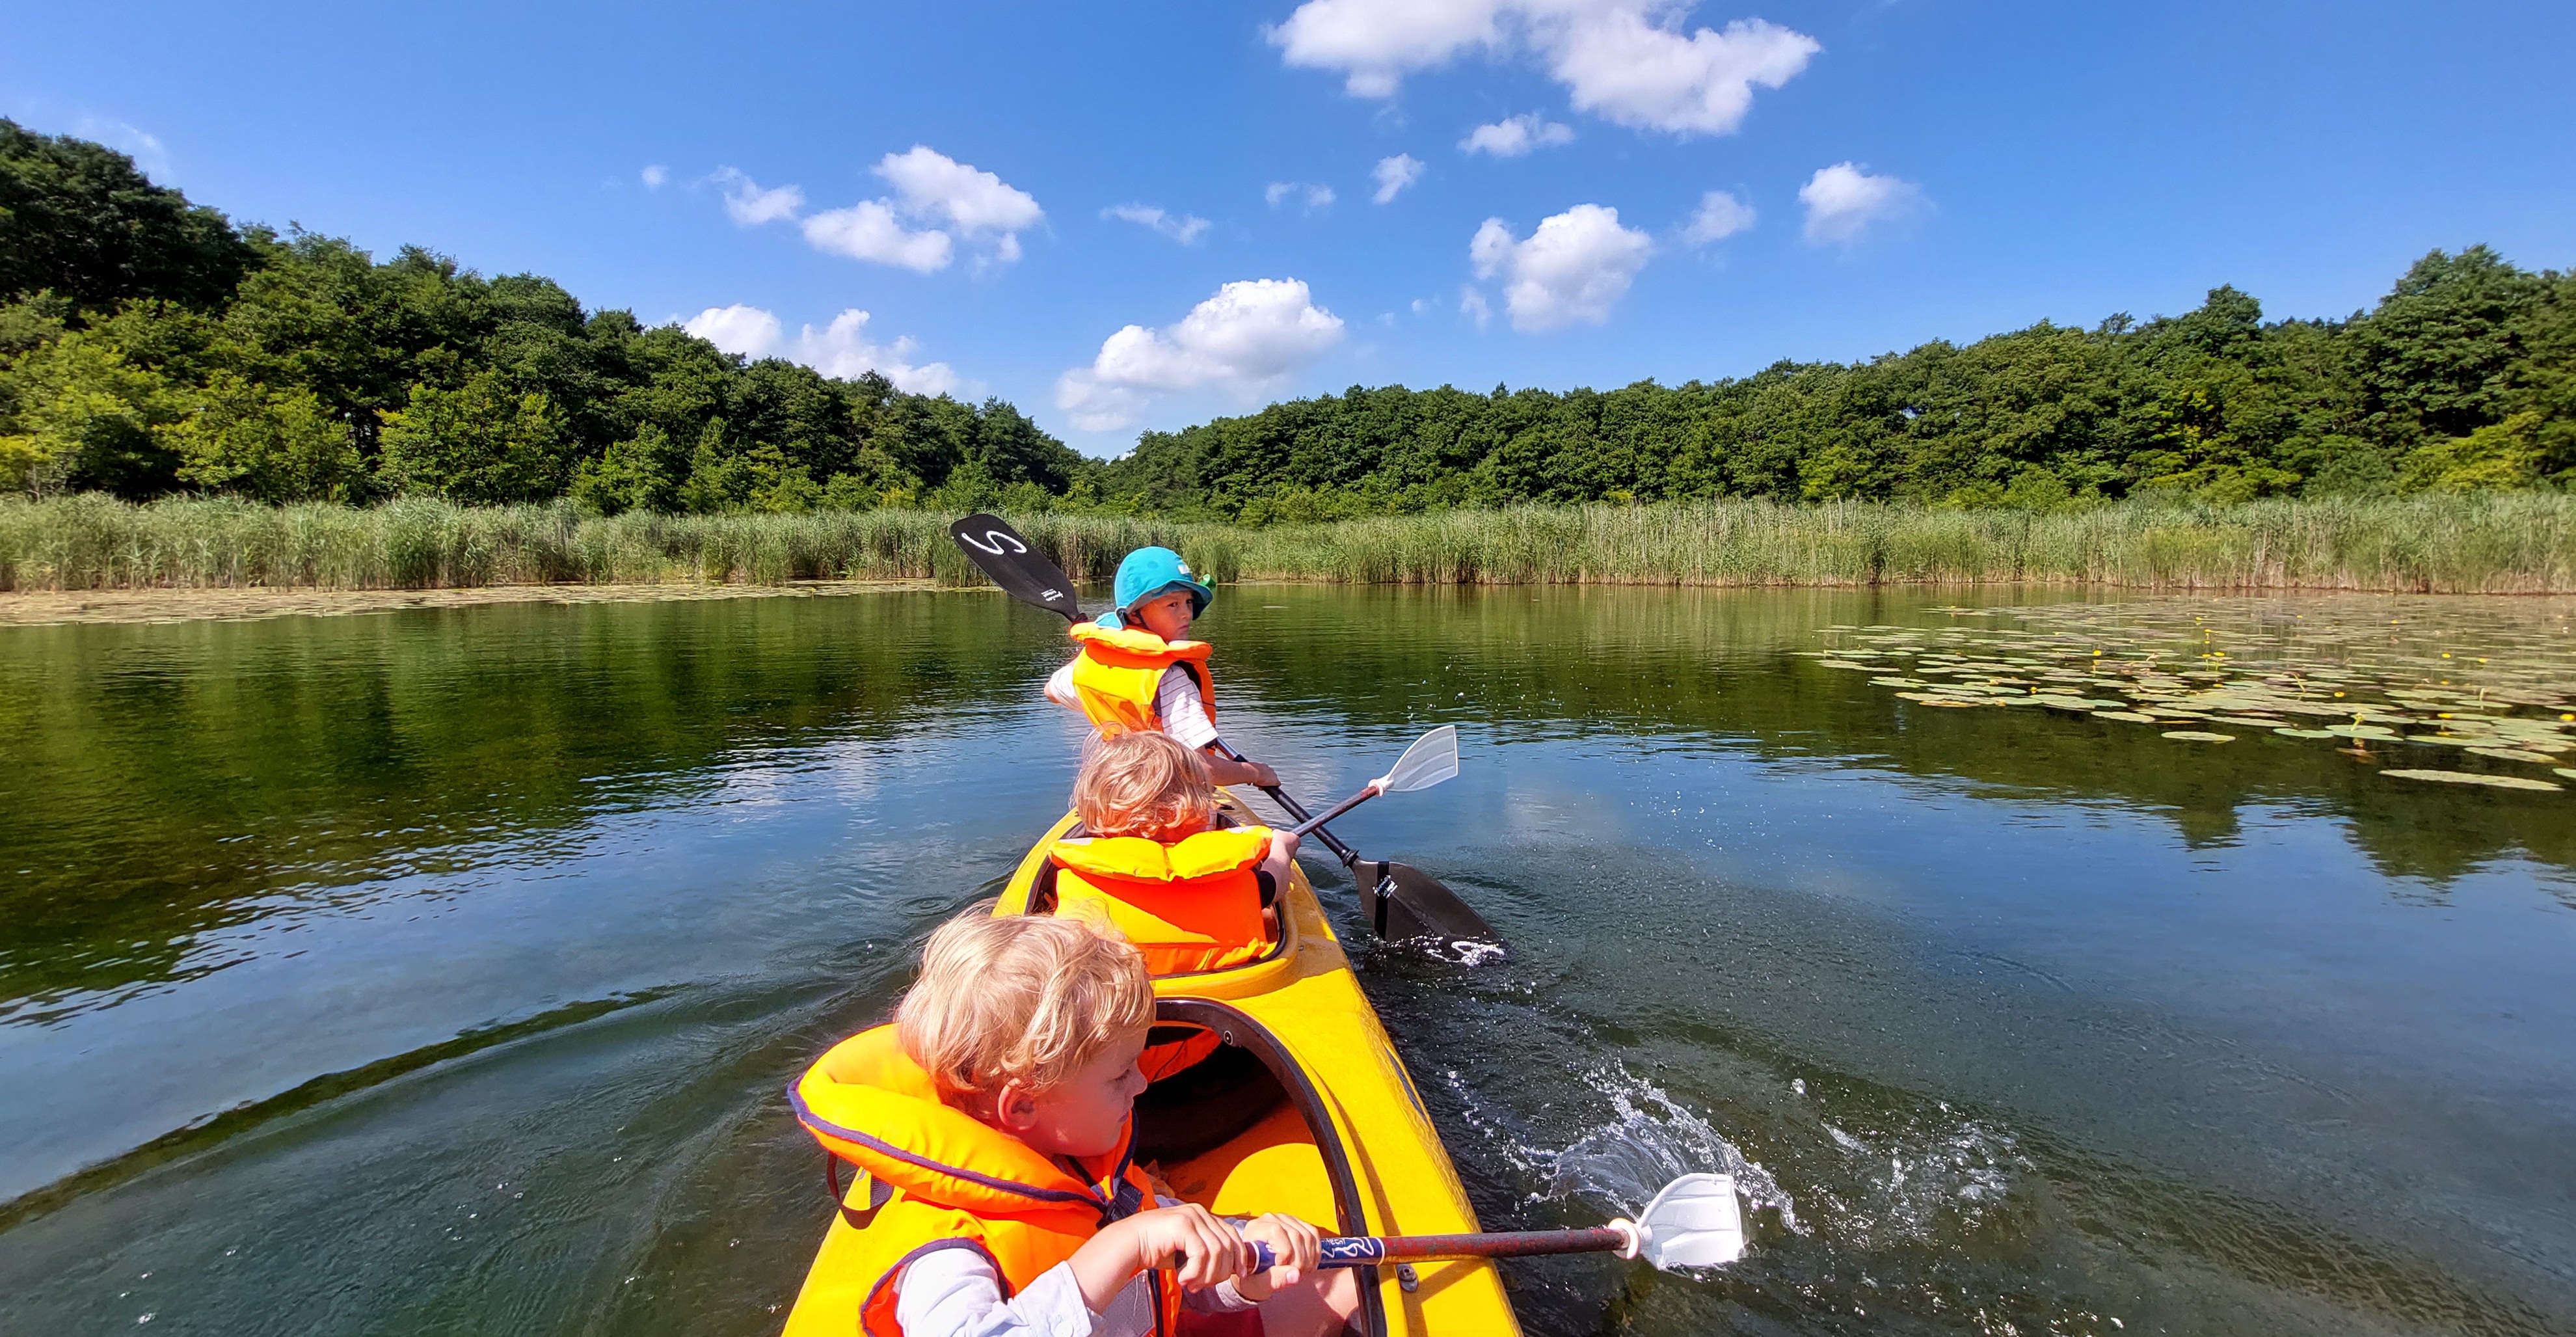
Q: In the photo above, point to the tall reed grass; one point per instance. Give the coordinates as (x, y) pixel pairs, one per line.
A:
(2491, 543)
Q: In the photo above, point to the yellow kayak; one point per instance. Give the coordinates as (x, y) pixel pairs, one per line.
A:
(1305, 1109)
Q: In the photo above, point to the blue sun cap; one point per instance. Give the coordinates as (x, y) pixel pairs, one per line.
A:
(1151, 571)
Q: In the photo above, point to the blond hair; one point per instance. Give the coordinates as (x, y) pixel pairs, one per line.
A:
(1144, 784)
(1019, 998)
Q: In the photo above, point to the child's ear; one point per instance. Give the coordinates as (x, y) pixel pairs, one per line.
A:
(1015, 1109)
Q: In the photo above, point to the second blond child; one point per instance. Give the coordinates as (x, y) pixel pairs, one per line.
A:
(1153, 862)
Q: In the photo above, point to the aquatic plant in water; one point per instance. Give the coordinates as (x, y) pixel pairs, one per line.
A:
(2380, 677)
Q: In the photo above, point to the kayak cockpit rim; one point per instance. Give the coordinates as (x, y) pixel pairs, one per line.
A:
(1235, 1028)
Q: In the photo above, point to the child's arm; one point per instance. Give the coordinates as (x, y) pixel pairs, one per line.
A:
(1208, 1249)
(1283, 853)
(1225, 770)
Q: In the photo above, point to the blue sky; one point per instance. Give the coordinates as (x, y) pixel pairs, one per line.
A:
(1912, 169)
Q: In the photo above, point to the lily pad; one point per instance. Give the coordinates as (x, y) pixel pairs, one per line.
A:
(1898, 682)
(2362, 731)
(1846, 664)
(2303, 733)
(2511, 754)
(2473, 778)
(2204, 736)
(2126, 716)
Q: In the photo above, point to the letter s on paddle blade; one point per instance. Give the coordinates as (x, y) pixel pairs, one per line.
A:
(994, 541)
(1694, 1222)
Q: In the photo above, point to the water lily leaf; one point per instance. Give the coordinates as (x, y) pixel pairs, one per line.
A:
(2362, 731)
(2511, 754)
(2126, 716)
(2473, 778)
(1846, 664)
(1899, 682)
(2200, 736)
(2250, 722)
(2303, 733)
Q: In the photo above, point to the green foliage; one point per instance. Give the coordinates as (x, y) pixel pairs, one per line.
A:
(2488, 541)
(147, 347)
(78, 220)
(2214, 405)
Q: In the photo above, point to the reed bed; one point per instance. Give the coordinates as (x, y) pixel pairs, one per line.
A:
(2492, 543)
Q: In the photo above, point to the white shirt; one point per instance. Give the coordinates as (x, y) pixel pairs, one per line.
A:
(956, 1293)
(1176, 699)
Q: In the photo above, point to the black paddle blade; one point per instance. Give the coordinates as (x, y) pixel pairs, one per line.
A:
(1404, 903)
(1020, 569)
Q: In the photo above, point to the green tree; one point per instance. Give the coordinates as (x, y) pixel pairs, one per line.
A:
(78, 219)
(274, 445)
(484, 443)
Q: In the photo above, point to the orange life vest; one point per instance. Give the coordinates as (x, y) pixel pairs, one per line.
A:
(1187, 906)
(957, 1183)
(1120, 670)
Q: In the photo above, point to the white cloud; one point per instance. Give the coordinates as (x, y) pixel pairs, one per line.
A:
(1515, 135)
(750, 205)
(1421, 305)
(1629, 61)
(1843, 201)
(1472, 304)
(1572, 270)
(933, 185)
(938, 203)
(746, 330)
(1317, 197)
(840, 349)
(1186, 229)
(1394, 174)
(1251, 334)
(1720, 216)
(869, 230)
(654, 175)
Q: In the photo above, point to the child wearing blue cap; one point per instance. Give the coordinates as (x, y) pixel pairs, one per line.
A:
(1138, 669)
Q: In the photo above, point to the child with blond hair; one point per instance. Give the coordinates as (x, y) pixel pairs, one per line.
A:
(993, 1119)
(1152, 861)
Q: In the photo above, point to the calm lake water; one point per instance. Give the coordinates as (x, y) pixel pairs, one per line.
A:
(440, 971)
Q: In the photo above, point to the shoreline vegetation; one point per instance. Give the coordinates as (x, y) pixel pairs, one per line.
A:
(2476, 543)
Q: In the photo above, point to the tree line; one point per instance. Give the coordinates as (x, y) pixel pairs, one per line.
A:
(151, 346)
(2462, 378)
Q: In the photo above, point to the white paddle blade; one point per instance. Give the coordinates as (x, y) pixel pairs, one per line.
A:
(1432, 759)
(1694, 1222)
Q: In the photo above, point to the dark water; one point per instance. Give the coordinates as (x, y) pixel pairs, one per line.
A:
(440, 971)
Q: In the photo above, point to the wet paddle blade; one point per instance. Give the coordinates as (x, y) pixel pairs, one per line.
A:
(1020, 569)
(1694, 1222)
(1432, 759)
(1404, 904)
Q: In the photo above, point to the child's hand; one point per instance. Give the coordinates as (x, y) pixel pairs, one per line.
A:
(1202, 1249)
(1297, 1246)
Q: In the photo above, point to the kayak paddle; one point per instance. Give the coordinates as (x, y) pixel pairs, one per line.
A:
(1402, 901)
(1694, 1222)
(1432, 759)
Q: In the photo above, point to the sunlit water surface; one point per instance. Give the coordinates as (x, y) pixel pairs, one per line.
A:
(441, 971)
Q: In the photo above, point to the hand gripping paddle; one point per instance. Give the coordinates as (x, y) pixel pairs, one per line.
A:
(1402, 901)
(1694, 1222)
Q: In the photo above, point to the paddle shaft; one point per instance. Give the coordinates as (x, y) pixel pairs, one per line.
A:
(1370, 1250)
(1317, 823)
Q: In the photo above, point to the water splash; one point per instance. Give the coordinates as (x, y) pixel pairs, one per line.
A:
(1651, 1140)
